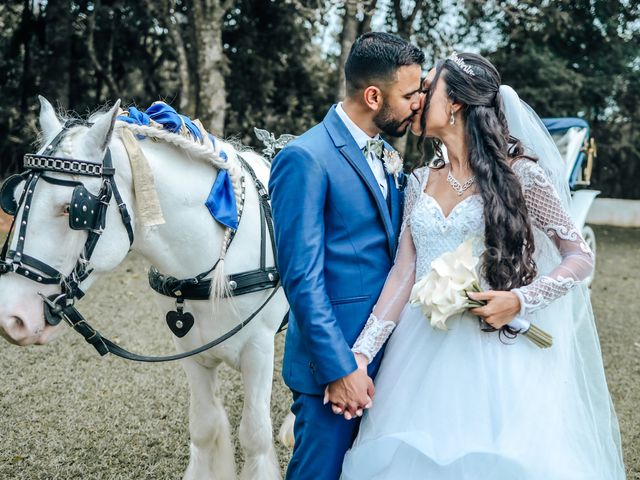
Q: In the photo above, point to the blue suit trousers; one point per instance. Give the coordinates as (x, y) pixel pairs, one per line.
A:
(324, 437)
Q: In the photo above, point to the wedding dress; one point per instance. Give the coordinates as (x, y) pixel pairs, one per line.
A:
(467, 404)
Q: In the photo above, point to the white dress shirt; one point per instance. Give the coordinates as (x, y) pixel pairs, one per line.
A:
(361, 138)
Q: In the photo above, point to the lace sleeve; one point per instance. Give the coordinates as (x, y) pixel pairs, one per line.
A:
(397, 287)
(546, 212)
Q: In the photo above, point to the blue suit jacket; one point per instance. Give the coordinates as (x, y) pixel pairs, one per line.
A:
(336, 238)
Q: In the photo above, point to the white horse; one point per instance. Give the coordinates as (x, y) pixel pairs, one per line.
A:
(187, 244)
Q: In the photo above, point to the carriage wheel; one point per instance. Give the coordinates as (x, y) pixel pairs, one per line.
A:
(590, 239)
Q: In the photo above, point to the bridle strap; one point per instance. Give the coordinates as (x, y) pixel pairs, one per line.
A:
(122, 207)
(104, 346)
(61, 306)
(37, 165)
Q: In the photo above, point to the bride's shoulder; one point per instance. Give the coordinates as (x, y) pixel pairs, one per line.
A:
(529, 171)
(417, 177)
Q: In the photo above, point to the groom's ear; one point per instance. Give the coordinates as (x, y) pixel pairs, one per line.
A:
(372, 96)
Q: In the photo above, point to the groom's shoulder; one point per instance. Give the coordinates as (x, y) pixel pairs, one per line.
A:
(310, 137)
(312, 142)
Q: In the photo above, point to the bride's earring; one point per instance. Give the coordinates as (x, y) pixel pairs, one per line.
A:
(452, 120)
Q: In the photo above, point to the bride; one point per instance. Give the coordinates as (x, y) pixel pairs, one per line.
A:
(468, 403)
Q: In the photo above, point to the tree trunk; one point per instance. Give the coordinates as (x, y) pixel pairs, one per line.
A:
(405, 24)
(369, 9)
(165, 14)
(211, 63)
(25, 30)
(187, 93)
(351, 29)
(57, 62)
(91, 50)
(347, 37)
(405, 30)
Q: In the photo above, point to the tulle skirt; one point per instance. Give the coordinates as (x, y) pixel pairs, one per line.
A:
(464, 404)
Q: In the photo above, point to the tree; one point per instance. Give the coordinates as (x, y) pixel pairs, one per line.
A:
(356, 20)
(576, 58)
(281, 80)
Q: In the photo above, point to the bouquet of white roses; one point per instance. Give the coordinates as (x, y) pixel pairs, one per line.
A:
(442, 293)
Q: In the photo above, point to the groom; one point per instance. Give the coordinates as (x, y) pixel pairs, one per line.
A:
(337, 215)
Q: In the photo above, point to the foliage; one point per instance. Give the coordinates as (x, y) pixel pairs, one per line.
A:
(575, 58)
(279, 80)
(565, 58)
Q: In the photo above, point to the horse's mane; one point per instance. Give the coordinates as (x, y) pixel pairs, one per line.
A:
(195, 149)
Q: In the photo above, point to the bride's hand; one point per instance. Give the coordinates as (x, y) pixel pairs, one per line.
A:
(362, 361)
(501, 307)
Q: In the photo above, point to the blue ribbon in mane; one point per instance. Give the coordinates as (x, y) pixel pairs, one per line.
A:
(165, 115)
(221, 201)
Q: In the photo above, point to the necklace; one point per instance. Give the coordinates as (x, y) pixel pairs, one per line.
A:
(460, 189)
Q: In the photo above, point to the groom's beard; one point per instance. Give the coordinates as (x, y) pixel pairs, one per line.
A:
(389, 125)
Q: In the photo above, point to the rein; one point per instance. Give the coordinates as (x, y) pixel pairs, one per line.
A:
(88, 212)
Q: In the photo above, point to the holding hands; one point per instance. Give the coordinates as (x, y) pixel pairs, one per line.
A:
(353, 393)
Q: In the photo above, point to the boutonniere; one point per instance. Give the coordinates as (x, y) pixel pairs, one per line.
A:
(392, 164)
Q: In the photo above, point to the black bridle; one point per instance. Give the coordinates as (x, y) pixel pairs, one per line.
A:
(88, 212)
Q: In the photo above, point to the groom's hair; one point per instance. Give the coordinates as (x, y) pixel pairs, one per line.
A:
(375, 57)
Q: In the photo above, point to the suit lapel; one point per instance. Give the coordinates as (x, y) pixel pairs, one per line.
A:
(347, 146)
(394, 198)
(395, 206)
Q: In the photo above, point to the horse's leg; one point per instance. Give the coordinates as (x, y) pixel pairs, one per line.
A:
(212, 454)
(256, 438)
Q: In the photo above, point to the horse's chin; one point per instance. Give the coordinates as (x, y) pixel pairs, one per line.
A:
(49, 334)
(8, 338)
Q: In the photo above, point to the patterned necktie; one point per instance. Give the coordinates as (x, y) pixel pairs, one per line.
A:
(374, 146)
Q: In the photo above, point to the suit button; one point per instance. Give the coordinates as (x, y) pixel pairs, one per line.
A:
(312, 366)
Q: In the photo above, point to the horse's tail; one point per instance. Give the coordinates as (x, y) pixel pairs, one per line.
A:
(285, 435)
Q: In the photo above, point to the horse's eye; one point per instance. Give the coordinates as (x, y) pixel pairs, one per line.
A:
(65, 210)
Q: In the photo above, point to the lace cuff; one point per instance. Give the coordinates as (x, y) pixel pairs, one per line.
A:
(541, 293)
(373, 336)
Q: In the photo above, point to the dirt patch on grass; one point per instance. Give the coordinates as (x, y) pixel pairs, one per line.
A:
(69, 414)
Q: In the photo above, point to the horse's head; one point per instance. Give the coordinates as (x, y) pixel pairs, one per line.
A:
(67, 228)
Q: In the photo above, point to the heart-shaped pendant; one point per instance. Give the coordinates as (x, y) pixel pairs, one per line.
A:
(180, 322)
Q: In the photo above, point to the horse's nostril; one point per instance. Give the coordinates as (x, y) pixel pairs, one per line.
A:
(19, 323)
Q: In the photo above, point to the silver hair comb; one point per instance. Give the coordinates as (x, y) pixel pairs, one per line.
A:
(461, 63)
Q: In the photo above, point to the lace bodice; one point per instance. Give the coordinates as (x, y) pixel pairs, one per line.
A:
(426, 234)
(434, 234)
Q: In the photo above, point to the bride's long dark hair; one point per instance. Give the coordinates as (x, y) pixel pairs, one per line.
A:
(508, 259)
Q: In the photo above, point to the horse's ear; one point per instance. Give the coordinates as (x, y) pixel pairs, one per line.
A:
(49, 123)
(99, 135)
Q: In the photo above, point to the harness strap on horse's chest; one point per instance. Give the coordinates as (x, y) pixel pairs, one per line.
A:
(189, 289)
(263, 278)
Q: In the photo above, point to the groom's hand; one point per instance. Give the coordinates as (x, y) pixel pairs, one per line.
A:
(350, 394)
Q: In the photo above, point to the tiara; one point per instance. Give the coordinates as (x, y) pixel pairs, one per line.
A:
(461, 63)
